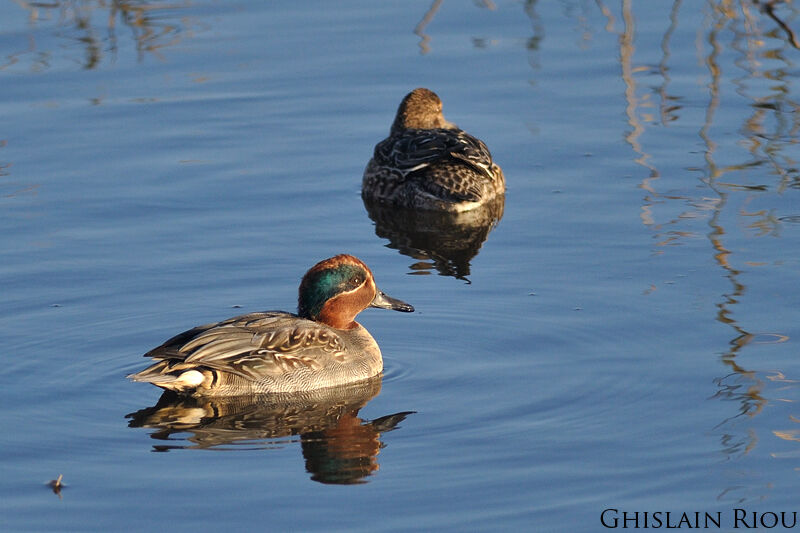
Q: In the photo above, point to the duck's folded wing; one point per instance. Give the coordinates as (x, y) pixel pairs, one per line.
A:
(175, 347)
(170, 349)
(415, 149)
(268, 346)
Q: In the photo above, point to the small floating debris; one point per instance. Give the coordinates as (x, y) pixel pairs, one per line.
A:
(56, 484)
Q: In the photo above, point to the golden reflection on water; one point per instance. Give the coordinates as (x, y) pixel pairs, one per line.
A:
(764, 49)
(92, 26)
(424, 38)
(430, 14)
(338, 446)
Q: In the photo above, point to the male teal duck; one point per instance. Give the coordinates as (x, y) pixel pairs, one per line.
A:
(275, 351)
(427, 162)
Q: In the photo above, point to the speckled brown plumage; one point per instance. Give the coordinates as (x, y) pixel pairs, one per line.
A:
(429, 163)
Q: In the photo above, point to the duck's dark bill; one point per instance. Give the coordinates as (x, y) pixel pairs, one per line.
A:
(383, 301)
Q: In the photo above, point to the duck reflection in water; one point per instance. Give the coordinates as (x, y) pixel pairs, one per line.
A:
(338, 446)
(438, 240)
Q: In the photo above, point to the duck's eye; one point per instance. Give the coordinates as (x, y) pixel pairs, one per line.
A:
(357, 281)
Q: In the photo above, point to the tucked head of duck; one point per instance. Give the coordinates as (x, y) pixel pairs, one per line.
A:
(421, 109)
(335, 290)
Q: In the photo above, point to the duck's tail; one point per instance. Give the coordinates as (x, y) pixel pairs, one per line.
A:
(162, 374)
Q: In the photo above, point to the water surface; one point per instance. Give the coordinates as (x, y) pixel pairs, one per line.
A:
(620, 333)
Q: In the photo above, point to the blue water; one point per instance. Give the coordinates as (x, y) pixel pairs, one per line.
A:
(620, 333)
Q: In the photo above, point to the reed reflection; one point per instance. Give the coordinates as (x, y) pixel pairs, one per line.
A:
(91, 25)
(766, 149)
(424, 38)
(769, 135)
(430, 14)
(444, 242)
(338, 446)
